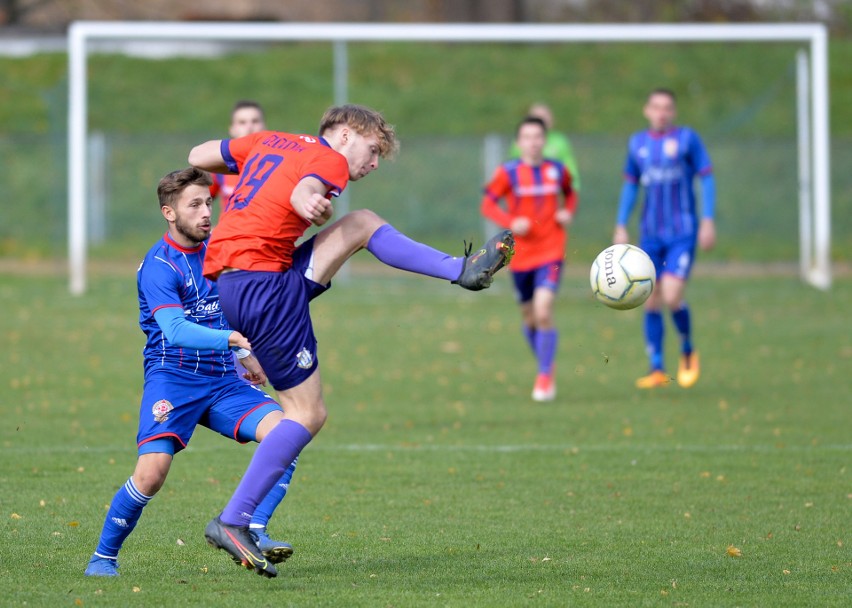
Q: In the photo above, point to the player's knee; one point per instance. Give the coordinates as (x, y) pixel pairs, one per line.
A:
(367, 220)
(149, 480)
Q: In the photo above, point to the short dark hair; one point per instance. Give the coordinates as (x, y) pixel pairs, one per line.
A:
(663, 91)
(247, 103)
(531, 120)
(172, 185)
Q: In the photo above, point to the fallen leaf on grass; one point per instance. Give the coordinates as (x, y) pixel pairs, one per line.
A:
(734, 551)
(15, 516)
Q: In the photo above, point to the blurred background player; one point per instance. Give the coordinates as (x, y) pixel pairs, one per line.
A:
(266, 283)
(557, 146)
(540, 204)
(189, 372)
(664, 159)
(247, 117)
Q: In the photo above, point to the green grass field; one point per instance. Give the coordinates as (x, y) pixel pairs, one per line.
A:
(437, 482)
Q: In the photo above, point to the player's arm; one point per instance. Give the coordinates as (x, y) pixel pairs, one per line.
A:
(628, 197)
(254, 371)
(310, 200)
(494, 191)
(209, 156)
(701, 161)
(565, 214)
(183, 333)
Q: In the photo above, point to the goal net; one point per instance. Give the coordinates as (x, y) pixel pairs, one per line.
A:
(773, 190)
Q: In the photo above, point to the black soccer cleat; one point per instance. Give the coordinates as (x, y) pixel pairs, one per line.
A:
(479, 268)
(238, 542)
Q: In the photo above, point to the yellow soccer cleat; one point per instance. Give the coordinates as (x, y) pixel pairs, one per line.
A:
(688, 370)
(653, 380)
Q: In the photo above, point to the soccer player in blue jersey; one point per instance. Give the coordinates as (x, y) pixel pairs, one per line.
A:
(664, 160)
(189, 370)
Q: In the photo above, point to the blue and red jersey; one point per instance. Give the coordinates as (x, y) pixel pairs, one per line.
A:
(171, 276)
(536, 192)
(665, 165)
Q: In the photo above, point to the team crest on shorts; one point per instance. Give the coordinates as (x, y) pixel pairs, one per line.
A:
(161, 410)
(304, 359)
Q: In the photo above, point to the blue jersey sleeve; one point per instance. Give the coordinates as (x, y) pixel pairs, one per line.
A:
(632, 170)
(697, 155)
(185, 334)
(159, 282)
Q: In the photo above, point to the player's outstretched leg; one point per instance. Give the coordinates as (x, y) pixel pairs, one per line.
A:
(363, 229)
(276, 551)
(479, 267)
(238, 542)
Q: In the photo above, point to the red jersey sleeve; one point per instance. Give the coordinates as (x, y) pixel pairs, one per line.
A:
(330, 169)
(499, 186)
(235, 151)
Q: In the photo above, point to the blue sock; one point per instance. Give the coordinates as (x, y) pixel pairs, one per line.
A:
(395, 249)
(273, 456)
(529, 334)
(654, 338)
(545, 349)
(684, 328)
(273, 498)
(124, 512)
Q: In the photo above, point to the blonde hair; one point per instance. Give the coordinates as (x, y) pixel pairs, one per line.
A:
(365, 121)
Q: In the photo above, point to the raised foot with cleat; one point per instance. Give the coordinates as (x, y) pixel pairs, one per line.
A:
(480, 266)
(237, 541)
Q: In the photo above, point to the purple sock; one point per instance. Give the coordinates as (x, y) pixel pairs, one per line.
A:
(529, 334)
(274, 454)
(395, 249)
(545, 349)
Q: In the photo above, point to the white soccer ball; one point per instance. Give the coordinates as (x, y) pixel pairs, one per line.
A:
(622, 276)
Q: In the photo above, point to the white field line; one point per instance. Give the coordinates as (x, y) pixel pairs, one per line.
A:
(482, 449)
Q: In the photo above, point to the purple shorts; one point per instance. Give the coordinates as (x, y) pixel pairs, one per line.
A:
(272, 310)
(547, 276)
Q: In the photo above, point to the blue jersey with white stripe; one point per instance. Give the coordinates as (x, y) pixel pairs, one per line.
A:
(665, 165)
(170, 276)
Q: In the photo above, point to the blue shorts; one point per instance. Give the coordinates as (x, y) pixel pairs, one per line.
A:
(272, 310)
(674, 257)
(547, 276)
(175, 401)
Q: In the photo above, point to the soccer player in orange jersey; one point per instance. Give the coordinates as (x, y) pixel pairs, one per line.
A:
(540, 204)
(247, 117)
(266, 282)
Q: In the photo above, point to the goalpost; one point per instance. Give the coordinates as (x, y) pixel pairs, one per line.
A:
(811, 73)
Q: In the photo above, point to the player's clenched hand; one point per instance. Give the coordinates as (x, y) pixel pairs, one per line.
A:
(315, 208)
(520, 225)
(236, 339)
(620, 236)
(254, 371)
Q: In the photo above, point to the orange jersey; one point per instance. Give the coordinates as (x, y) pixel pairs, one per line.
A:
(223, 186)
(534, 192)
(259, 228)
